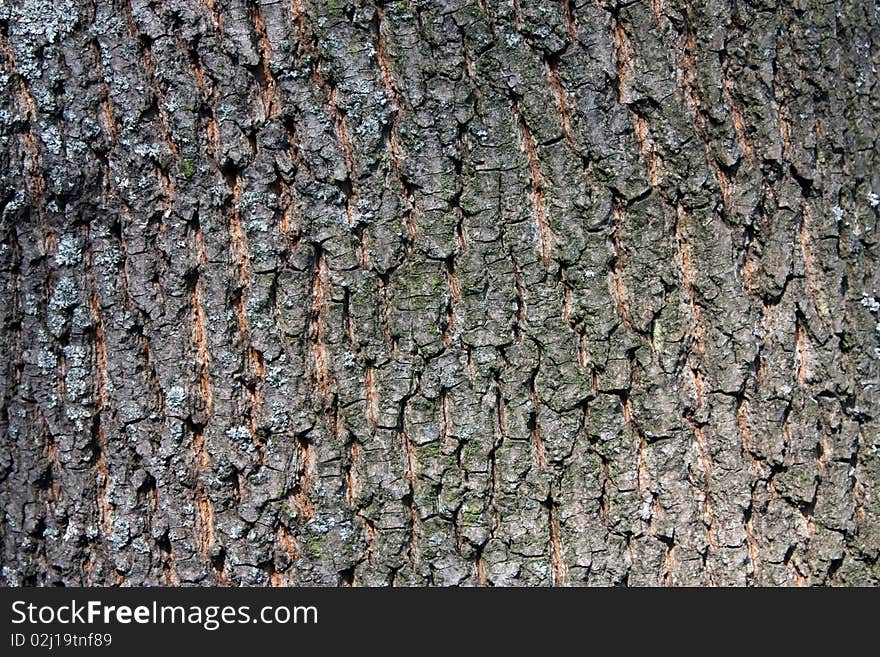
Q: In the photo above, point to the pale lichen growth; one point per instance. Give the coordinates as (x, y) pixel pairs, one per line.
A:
(69, 252)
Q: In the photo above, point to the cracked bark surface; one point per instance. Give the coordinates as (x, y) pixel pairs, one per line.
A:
(434, 293)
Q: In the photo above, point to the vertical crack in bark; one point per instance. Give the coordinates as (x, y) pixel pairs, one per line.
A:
(669, 563)
(309, 43)
(410, 474)
(536, 180)
(707, 473)
(352, 490)
(272, 102)
(801, 350)
(216, 15)
(307, 472)
(694, 104)
(99, 334)
(351, 482)
(558, 563)
(289, 233)
(104, 502)
(208, 101)
(739, 124)
(564, 108)
(383, 60)
(500, 432)
(568, 17)
(372, 395)
(108, 123)
(25, 96)
(285, 541)
(781, 115)
(559, 95)
(452, 306)
(754, 467)
(320, 369)
(583, 351)
(642, 483)
(750, 267)
(445, 415)
(469, 365)
(160, 543)
(471, 73)
(348, 155)
(537, 443)
(347, 323)
(807, 254)
(105, 505)
(687, 278)
(705, 463)
(150, 69)
(484, 7)
(618, 289)
(520, 316)
(254, 367)
(647, 150)
(33, 169)
(857, 488)
(480, 569)
(605, 493)
(205, 529)
(657, 10)
(36, 182)
(150, 374)
(199, 325)
(623, 59)
(566, 300)
(385, 312)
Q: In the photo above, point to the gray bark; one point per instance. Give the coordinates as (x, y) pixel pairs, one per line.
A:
(469, 292)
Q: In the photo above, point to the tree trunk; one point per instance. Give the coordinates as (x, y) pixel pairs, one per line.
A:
(469, 292)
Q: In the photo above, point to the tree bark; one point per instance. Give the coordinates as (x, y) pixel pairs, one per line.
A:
(468, 292)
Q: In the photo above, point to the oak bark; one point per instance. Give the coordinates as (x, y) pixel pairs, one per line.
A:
(467, 292)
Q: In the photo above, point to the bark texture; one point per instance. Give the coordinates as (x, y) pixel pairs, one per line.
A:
(468, 292)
